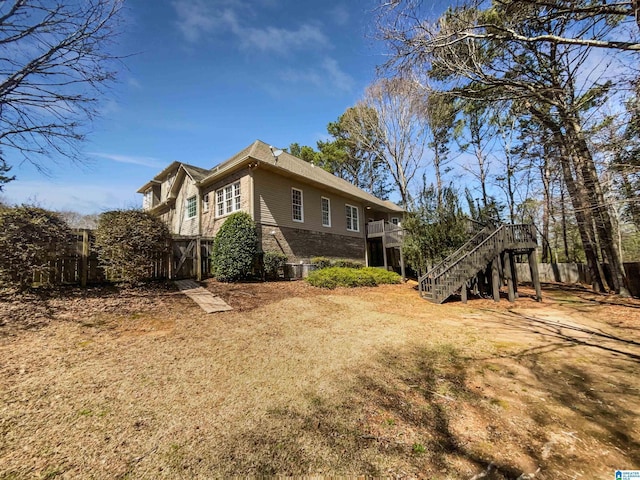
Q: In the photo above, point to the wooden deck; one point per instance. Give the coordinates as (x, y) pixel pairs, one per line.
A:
(203, 297)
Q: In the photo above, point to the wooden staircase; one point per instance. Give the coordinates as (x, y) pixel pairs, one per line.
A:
(487, 246)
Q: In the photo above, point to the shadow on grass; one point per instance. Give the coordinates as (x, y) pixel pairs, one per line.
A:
(417, 412)
(34, 308)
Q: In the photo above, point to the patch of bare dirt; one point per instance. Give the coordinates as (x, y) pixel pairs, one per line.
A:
(302, 381)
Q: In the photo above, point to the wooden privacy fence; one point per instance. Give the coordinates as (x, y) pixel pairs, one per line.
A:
(78, 264)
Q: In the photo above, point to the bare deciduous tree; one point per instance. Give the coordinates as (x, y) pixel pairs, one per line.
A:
(398, 129)
(56, 59)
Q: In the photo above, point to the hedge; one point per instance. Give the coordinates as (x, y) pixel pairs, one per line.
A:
(333, 277)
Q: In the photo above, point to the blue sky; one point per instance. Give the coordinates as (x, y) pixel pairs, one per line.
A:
(207, 78)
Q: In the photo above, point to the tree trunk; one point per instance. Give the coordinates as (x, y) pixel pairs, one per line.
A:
(585, 225)
(604, 225)
(579, 198)
(563, 213)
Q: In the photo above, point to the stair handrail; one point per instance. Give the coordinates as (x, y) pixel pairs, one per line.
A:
(450, 266)
(487, 230)
(476, 249)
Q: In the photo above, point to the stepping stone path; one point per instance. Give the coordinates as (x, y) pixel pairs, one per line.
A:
(203, 297)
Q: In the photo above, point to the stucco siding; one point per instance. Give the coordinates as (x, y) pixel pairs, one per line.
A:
(273, 205)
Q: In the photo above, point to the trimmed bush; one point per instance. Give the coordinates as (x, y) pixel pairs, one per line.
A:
(321, 262)
(347, 264)
(29, 238)
(235, 248)
(273, 262)
(382, 276)
(333, 277)
(127, 241)
(324, 262)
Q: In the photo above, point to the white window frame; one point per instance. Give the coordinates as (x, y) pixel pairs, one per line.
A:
(228, 199)
(395, 221)
(349, 209)
(191, 205)
(294, 205)
(205, 202)
(328, 211)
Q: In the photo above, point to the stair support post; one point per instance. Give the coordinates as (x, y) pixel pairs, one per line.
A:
(535, 277)
(495, 278)
(463, 292)
(508, 273)
(514, 272)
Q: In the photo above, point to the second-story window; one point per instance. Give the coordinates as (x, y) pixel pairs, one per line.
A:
(297, 212)
(228, 199)
(205, 202)
(191, 207)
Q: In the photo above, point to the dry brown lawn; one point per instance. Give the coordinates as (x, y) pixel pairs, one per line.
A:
(139, 383)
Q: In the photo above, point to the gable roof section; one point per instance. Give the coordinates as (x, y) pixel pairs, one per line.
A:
(285, 163)
(196, 173)
(308, 172)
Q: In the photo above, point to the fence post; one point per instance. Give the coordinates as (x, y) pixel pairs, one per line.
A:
(199, 259)
(170, 260)
(84, 264)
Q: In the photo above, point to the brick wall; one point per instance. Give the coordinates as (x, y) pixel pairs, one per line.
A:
(302, 245)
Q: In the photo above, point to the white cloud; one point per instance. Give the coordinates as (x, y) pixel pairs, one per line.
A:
(134, 160)
(134, 83)
(340, 15)
(198, 18)
(195, 18)
(328, 76)
(282, 41)
(339, 78)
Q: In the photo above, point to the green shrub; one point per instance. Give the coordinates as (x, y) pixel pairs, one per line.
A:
(273, 262)
(347, 264)
(333, 277)
(29, 238)
(235, 248)
(127, 242)
(321, 262)
(324, 262)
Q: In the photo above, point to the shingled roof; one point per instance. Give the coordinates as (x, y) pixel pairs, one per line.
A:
(260, 152)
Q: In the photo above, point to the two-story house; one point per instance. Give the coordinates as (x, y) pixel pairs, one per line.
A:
(299, 209)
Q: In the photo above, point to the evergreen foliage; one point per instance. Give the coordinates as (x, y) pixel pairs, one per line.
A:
(273, 263)
(29, 238)
(431, 232)
(333, 277)
(127, 241)
(235, 248)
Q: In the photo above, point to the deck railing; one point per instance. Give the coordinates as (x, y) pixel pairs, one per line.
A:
(392, 233)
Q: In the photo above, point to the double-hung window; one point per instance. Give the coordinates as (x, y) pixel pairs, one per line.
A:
(191, 207)
(297, 212)
(353, 225)
(325, 207)
(205, 202)
(228, 199)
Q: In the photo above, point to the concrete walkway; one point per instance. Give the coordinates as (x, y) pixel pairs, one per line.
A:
(203, 297)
